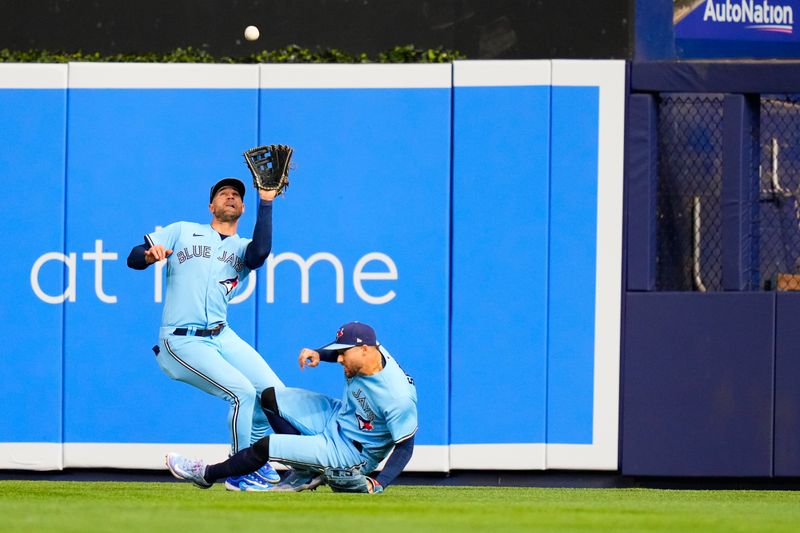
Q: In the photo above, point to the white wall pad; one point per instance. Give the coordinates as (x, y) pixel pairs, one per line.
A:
(151, 456)
(497, 457)
(345, 76)
(609, 77)
(32, 76)
(161, 76)
(426, 458)
(501, 73)
(136, 456)
(429, 459)
(581, 456)
(31, 456)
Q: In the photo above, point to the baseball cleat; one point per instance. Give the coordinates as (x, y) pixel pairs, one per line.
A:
(299, 480)
(248, 483)
(188, 469)
(267, 474)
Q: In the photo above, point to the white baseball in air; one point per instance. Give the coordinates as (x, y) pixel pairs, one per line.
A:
(251, 33)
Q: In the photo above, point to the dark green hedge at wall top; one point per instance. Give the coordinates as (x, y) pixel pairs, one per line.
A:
(291, 54)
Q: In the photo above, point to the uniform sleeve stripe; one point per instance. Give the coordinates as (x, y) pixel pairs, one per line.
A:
(149, 240)
(398, 441)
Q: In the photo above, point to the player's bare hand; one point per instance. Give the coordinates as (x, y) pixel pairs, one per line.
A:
(266, 195)
(156, 253)
(308, 358)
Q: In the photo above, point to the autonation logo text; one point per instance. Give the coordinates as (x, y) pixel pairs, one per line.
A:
(761, 16)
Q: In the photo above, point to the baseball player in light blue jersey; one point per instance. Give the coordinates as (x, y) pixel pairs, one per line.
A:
(205, 264)
(326, 440)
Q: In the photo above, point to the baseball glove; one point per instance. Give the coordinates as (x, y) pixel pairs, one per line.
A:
(349, 480)
(269, 166)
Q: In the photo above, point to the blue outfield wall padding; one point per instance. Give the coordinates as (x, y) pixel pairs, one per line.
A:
(687, 49)
(32, 148)
(716, 76)
(500, 247)
(361, 211)
(535, 270)
(739, 192)
(641, 183)
(178, 143)
(787, 391)
(654, 32)
(573, 264)
(698, 384)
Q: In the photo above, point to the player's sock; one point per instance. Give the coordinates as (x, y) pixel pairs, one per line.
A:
(269, 404)
(241, 463)
(280, 425)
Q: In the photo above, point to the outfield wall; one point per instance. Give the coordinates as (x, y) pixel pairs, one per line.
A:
(471, 212)
(711, 364)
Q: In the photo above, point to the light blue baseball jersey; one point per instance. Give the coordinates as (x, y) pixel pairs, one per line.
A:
(379, 410)
(202, 273)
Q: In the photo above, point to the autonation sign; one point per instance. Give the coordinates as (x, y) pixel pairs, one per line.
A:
(762, 20)
(762, 17)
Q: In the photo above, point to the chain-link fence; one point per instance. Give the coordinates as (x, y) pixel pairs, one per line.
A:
(689, 230)
(689, 225)
(779, 198)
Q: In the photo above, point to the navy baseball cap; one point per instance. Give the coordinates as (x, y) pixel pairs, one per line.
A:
(353, 334)
(227, 182)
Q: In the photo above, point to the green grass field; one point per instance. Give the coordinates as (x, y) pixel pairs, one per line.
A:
(102, 506)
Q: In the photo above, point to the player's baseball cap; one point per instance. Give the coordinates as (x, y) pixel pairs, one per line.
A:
(353, 334)
(227, 182)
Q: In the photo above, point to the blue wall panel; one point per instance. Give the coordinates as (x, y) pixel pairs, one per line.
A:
(698, 384)
(515, 219)
(572, 268)
(357, 152)
(641, 186)
(32, 148)
(137, 159)
(500, 217)
(787, 391)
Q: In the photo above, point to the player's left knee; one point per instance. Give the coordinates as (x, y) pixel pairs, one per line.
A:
(269, 402)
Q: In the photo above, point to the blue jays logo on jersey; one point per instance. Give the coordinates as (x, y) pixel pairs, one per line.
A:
(364, 424)
(229, 284)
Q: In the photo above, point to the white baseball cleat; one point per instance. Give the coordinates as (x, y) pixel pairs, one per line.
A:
(188, 469)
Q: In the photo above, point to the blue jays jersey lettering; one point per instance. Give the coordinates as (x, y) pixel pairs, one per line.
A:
(379, 410)
(202, 273)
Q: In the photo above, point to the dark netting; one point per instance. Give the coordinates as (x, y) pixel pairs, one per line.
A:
(779, 199)
(689, 186)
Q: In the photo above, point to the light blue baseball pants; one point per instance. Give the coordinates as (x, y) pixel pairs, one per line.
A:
(228, 368)
(320, 443)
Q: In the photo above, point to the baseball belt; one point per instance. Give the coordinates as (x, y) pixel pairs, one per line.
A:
(199, 332)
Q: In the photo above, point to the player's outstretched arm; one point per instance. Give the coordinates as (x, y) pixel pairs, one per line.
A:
(259, 248)
(142, 256)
